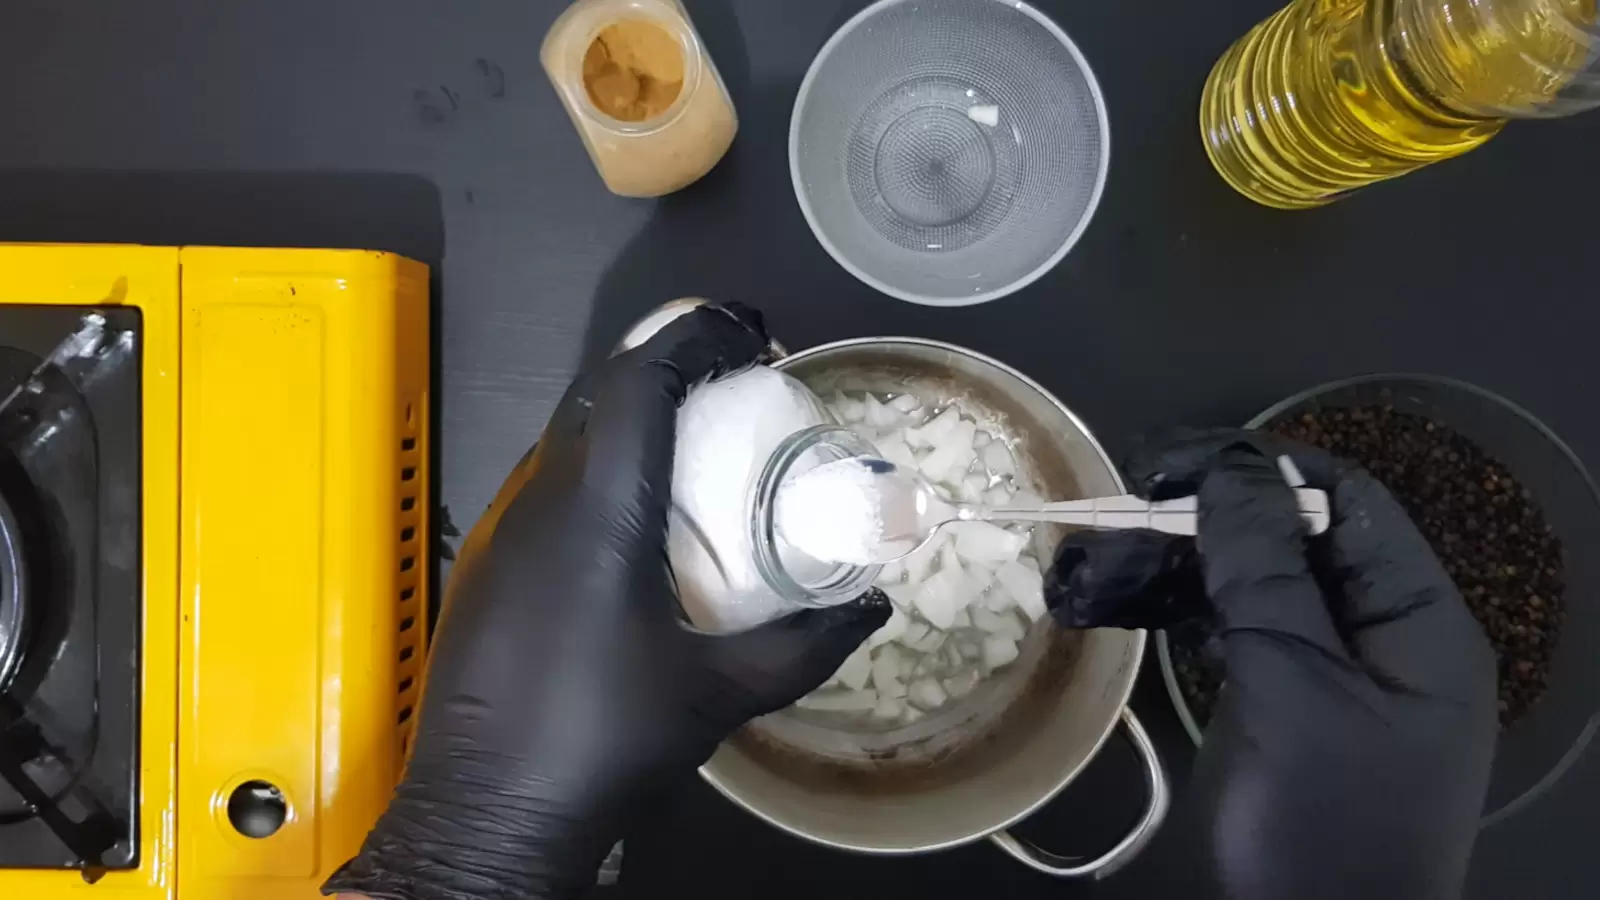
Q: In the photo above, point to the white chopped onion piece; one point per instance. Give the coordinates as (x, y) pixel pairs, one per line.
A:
(951, 454)
(1026, 497)
(927, 694)
(891, 630)
(964, 600)
(949, 560)
(916, 438)
(856, 669)
(986, 541)
(905, 403)
(885, 667)
(980, 574)
(961, 685)
(933, 640)
(891, 574)
(839, 701)
(901, 595)
(997, 457)
(1002, 624)
(914, 632)
(879, 415)
(897, 451)
(1025, 586)
(888, 708)
(998, 651)
(938, 428)
(919, 564)
(998, 599)
(848, 410)
(999, 495)
(973, 487)
(909, 666)
(940, 596)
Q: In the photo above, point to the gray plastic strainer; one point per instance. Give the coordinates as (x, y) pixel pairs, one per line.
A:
(949, 152)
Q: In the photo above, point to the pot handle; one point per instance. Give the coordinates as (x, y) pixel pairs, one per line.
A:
(1155, 776)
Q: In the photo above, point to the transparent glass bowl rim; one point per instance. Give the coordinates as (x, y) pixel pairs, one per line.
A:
(803, 194)
(1169, 675)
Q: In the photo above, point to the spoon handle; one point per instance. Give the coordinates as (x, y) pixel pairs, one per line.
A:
(1128, 511)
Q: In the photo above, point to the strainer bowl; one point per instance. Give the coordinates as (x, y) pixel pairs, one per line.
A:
(949, 152)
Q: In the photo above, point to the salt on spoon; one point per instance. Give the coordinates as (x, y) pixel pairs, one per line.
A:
(863, 511)
(834, 512)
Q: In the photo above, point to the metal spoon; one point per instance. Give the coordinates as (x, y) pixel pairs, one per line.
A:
(912, 512)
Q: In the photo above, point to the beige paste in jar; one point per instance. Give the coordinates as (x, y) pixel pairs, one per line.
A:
(642, 92)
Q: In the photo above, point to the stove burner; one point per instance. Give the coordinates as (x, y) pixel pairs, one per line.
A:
(69, 588)
(13, 588)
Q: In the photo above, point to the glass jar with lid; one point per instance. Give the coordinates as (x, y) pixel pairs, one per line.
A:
(739, 439)
(642, 91)
(798, 579)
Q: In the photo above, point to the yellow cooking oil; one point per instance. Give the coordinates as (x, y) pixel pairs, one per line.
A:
(1329, 95)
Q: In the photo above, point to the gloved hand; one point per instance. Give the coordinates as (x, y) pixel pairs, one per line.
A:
(563, 690)
(1125, 578)
(1349, 753)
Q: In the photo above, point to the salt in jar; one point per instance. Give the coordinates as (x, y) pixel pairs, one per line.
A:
(740, 440)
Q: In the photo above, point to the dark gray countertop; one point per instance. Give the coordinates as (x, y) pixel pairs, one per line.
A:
(428, 128)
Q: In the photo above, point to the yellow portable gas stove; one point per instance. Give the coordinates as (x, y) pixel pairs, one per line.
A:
(213, 602)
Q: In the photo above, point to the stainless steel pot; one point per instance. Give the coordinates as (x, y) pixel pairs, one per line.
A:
(1007, 750)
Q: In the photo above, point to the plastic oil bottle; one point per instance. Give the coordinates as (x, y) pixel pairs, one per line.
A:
(1329, 95)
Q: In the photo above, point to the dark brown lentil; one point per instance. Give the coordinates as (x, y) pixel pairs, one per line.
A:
(1482, 523)
(1197, 663)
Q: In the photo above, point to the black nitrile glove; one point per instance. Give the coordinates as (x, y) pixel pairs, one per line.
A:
(563, 690)
(1131, 578)
(1349, 754)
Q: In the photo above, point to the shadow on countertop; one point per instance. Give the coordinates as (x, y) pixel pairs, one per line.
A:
(359, 210)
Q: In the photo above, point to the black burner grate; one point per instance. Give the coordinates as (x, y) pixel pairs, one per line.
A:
(70, 475)
(13, 587)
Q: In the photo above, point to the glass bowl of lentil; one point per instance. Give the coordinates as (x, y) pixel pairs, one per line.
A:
(1498, 495)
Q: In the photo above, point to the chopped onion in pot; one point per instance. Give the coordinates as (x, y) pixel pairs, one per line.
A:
(963, 601)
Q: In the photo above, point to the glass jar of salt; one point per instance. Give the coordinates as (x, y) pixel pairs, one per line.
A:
(740, 439)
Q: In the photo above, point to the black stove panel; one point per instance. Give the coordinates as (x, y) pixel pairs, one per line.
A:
(69, 587)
